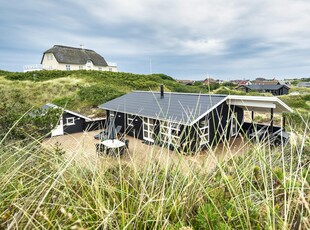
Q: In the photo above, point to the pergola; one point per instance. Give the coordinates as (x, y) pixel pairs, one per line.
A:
(270, 105)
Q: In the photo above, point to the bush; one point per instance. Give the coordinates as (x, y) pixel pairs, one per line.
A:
(98, 94)
(42, 75)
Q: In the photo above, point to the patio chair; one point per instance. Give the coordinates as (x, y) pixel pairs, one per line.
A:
(258, 134)
(127, 143)
(279, 137)
(99, 149)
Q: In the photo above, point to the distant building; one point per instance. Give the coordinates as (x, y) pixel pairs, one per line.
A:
(275, 90)
(265, 82)
(244, 82)
(70, 58)
(209, 81)
(303, 84)
(186, 82)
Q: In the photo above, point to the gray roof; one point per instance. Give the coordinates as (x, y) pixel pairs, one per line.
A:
(177, 107)
(78, 56)
(264, 87)
(303, 84)
(53, 106)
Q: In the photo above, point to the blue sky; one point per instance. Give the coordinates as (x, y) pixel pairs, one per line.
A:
(225, 39)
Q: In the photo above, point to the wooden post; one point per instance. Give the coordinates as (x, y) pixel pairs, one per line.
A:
(283, 121)
(252, 116)
(271, 120)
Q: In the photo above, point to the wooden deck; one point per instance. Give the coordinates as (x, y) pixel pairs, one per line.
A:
(80, 148)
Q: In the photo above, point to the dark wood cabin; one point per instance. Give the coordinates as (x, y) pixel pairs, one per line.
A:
(275, 90)
(186, 121)
(72, 122)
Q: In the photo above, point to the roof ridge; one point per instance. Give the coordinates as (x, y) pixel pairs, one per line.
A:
(70, 47)
(193, 94)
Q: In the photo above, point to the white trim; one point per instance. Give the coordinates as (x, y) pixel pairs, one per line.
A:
(166, 133)
(130, 119)
(208, 111)
(72, 121)
(227, 97)
(149, 130)
(203, 135)
(246, 103)
(59, 129)
(68, 111)
(260, 98)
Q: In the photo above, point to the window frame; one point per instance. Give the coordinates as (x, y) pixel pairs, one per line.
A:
(70, 121)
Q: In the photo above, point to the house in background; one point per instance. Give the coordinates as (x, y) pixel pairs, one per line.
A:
(71, 122)
(263, 81)
(70, 58)
(244, 82)
(209, 81)
(186, 82)
(303, 84)
(275, 90)
(187, 121)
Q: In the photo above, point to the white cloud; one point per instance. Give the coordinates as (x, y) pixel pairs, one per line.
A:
(233, 33)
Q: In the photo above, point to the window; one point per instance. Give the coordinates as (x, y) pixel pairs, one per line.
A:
(67, 67)
(112, 114)
(70, 121)
(80, 67)
(148, 129)
(169, 133)
(204, 131)
(100, 68)
(110, 69)
(130, 119)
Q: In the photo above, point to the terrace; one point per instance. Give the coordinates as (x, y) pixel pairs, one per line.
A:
(80, 147)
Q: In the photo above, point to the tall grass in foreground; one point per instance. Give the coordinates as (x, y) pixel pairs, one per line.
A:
(264, 188)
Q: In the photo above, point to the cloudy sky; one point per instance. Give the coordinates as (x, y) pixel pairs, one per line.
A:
(186, 39)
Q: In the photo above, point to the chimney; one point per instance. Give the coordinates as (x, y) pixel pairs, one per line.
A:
(161, 91)
(82, 46)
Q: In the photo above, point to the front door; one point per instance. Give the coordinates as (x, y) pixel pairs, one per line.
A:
(148, 129)
(59, 129)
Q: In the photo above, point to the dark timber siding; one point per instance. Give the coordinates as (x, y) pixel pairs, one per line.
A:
(219, 127)
(77, 127)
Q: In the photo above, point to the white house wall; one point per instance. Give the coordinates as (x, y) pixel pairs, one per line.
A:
(50, 63)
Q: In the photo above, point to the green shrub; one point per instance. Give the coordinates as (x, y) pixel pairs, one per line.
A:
(98, 94)
(42, 75)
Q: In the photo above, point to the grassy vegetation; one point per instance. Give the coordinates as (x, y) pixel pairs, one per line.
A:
(83, 91)
(263, 189)
(267, 188)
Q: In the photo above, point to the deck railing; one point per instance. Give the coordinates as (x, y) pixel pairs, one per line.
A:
(112, 64)
(33, 67)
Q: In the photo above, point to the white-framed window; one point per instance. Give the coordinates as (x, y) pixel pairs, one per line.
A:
(70, 121)
(148, 129)
(100, 68)
(112, 114)
(169, 133)
(67, 67)
(110, 69)
(80, 67)
(204, 133)
(130, 119)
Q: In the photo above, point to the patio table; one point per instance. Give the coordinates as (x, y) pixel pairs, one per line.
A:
(114, 146)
